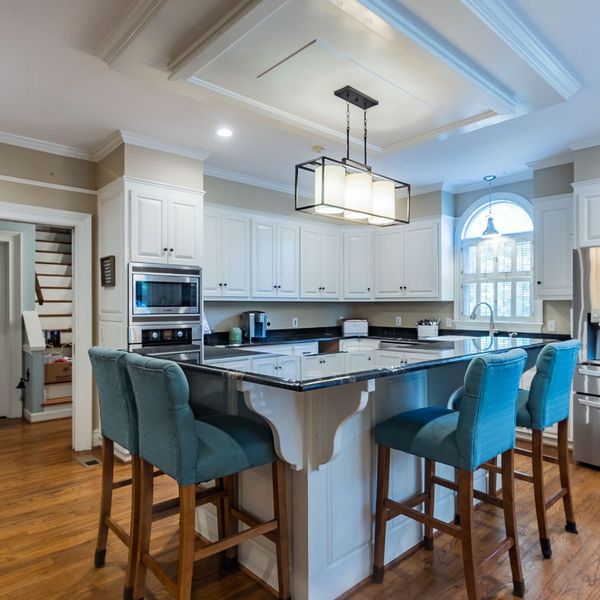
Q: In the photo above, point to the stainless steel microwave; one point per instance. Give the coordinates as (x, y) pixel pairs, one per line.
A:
(164, 290)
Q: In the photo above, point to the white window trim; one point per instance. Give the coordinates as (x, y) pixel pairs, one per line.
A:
(536, 323)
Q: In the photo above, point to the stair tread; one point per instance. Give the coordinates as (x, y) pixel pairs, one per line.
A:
(55, 315)
(59, 400)
(45, 262)
(53, 241)
(53, 252)
(57, 287)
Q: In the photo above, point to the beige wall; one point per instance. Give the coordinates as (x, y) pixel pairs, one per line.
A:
(383, 314)
(155, 165)
(111, 167)
(587, 164)
(553, 181)
(463, 201)
(559, 311)
(50, 168)
(224, 315)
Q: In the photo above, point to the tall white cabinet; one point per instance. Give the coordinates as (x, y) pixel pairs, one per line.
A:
(358, 265)
(320, 263)
(143, 221)
(553, 247)
(275, 259)
(226, 265)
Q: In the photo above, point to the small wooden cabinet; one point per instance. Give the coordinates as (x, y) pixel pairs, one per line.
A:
(553, 247)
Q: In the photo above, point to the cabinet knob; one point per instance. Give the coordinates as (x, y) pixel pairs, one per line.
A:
(220, 285)
(274, 287)
(368, 289)
(224, 285)
(539, 283)
(170, 249)
(165, 249)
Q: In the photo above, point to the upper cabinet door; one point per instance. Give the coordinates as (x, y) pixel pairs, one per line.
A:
(330, 260)
(235, 256)
(358, 265)
(185, 225)
(264, 265)
(553, 234)
(149, 225)
(211, 252)
(287, 261)
(310, 263)
(389, 263)
(421, 260)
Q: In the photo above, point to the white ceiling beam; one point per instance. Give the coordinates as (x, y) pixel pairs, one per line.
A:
(408, 24)
(501, 18)
(127, 28)
(237, 23)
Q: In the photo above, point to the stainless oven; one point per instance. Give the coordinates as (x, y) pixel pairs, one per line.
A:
(164, 291)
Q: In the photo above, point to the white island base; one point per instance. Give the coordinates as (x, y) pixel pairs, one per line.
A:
(326, 437)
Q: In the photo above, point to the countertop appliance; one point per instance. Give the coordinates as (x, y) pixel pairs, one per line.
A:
(254, 324)
(355, 327)
(165, 307)
(586, 327)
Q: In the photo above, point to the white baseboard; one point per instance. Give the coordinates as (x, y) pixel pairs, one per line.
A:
(35, 417)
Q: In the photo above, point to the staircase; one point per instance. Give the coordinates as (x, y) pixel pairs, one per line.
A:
(54, 301)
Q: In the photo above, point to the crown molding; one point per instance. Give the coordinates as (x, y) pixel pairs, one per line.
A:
(480, 185)
(114, 140)
(419, 190)
(500, 17)
(587, 143)
(266, 184)
(127, 27)
(577, 185)
(44, 146)
(551, 161)
(407, 23)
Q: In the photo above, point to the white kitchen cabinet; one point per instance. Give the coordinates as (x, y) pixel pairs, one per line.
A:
(321, 365)
(358, 265)
(166, 225)
(320, 263)
(361, 360)
(354, 344)
(415, 261)
(227, 255)
(285, 367)
(587, 213)
(553, 247)
(298, 348)
(275, 260)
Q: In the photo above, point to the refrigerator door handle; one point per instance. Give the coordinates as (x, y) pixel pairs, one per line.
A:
(591, 403)
(589, 372)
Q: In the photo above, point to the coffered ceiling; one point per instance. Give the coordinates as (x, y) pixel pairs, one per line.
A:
(465, 87)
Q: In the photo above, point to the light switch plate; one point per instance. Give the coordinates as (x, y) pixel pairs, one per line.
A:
(551, 325)
(449, 323)
(398, 321)
(295, 322)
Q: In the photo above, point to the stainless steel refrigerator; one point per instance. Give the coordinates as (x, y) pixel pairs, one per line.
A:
(586, 327)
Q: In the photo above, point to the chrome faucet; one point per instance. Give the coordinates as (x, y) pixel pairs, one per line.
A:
(474, 315)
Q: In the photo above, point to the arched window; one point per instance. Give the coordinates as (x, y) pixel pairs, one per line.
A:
(498, 270)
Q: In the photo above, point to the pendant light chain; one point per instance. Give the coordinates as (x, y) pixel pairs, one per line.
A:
(489, 196)
(348, 130)
(365, 135)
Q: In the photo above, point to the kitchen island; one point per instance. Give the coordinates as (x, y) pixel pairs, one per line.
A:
(321, 409)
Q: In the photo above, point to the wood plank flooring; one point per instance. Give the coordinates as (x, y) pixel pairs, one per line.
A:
(48, 519)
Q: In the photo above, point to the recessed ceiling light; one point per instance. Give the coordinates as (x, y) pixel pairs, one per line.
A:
(224, 132)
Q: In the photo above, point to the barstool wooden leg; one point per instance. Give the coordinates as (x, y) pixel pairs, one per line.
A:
(492, 478)
(565, 482)
(510, 521)
(229, 522)
(465, 510)
(429, 502)
(145, 526)
(281, 515)
(108, 459)
(456, 514)
(187, 539)
(133, 528)
(538, 487)
(383, 484)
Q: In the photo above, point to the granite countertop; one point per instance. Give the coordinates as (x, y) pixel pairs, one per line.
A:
(305, 375)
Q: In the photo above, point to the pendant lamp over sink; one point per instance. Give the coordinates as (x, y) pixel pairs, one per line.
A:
(490, 229)
(347, 189)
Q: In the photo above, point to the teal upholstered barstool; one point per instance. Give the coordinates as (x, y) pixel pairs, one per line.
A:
(195, 451)
(482, 429)
(545, 404)
(118, 423)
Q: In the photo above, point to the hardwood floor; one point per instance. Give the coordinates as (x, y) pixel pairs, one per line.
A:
(48, 518)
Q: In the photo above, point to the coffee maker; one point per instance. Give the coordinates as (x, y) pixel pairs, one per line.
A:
(254, 324)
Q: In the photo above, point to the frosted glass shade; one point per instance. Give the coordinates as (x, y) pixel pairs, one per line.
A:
(358, 195)
(334, 184)
(383, 203)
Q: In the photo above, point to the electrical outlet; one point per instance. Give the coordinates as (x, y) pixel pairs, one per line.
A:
(294, 321)
(398, 321)
(551, 325)
(449, 323)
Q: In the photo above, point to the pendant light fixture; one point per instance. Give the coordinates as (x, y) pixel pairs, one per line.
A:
(490, 230)
(347, 189)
